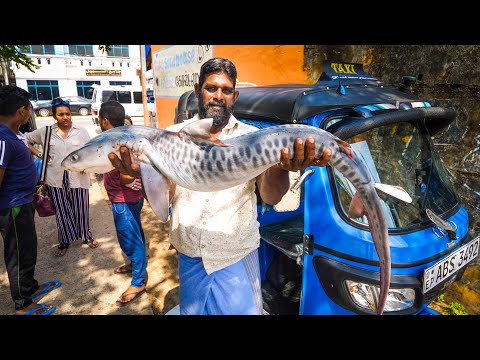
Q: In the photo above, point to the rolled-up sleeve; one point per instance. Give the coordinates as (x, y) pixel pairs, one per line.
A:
(35, 137)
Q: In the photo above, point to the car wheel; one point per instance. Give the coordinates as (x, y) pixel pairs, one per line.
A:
(43, 112)
(83, 111)
(128, 120)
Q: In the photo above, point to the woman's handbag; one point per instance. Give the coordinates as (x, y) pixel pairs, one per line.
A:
(42, 199)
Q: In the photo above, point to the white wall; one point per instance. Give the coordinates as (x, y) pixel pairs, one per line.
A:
(67, 69)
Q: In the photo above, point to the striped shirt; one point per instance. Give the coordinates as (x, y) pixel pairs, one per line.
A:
(221, 227)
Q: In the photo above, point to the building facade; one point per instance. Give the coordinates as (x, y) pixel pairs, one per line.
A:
(67, 70)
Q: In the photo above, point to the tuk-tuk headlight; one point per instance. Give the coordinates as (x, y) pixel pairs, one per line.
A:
(366, 296)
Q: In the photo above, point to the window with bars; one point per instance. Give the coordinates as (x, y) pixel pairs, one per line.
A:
(80, 50)
(43, 89)
(39, 49)
(84, 88)
(119, 51)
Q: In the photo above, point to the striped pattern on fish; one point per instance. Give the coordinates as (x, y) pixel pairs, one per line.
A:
(193, 160)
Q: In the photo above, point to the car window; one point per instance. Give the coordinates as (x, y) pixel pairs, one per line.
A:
(124, 97)
(109, 95)
(137, 97)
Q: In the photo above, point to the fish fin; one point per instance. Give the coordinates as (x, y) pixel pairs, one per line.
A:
(156, 187)
(199, 131)
(217, 142)
(345, 148)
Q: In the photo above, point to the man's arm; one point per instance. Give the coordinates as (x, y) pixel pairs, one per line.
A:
(274, 182)
(130, 170)
(2, 174)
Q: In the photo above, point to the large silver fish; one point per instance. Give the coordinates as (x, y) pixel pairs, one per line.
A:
(192, 159)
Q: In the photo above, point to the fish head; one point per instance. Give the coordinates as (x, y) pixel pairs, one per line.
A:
(91, 158)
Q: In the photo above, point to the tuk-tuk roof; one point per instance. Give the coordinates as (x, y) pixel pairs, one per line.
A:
(293, 103)
(341, 85)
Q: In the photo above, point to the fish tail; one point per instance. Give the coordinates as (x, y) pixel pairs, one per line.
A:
(357, 173)
(379, 231)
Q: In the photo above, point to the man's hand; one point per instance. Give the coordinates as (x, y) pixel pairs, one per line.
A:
(136, 184)
(125, 165)
(274, 183)
(303, 157)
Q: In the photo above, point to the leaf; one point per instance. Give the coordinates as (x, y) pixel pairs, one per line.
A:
(105, 48)
(14, 53)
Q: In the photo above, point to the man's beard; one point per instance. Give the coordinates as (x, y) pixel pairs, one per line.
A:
(220, 116)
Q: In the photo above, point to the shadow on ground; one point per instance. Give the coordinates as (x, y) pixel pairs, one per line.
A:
(89, 285)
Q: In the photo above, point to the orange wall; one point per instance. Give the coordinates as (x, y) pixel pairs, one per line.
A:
(259, 64)
(265, 64)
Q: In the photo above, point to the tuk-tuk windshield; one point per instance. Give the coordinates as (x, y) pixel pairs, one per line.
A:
(401, 154)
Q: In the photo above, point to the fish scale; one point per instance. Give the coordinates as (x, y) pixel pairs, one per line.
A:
(191, 159)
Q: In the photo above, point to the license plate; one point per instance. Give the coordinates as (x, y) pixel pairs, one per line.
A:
(445, 268)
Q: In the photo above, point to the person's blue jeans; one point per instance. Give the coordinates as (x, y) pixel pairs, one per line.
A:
(131, 238)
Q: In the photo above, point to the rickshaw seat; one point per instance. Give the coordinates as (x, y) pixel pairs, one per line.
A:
(286, 236)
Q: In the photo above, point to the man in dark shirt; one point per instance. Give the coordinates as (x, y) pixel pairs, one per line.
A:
(18, 179)
(126, 197)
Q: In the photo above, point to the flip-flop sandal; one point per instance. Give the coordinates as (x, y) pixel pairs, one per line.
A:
(42, 306)
(47, 287)
(60, 252)
(123, 269)
(92, 244)
(61, 249)
(136, 293)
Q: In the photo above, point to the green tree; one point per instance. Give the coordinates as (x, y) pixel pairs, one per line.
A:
(104, 48)
(14, 53)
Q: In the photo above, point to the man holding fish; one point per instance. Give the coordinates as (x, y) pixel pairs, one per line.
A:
(216, 233)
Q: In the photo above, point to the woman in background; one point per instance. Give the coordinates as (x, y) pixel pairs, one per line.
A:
(69, 190)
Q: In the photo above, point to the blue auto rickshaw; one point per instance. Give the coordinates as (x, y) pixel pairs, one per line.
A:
(314, 258)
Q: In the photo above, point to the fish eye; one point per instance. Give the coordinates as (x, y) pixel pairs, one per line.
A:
(75, 157)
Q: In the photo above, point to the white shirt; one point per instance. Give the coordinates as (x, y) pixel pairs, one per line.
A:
(22, 137)
(221, 227)
(59, 149)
